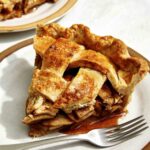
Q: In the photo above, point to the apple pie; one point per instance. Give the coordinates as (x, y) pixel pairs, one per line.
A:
(78, 77)
(16, 8)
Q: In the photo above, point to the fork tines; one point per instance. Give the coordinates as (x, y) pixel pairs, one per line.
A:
(126, 130)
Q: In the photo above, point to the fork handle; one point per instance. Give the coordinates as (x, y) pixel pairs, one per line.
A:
(50, 141)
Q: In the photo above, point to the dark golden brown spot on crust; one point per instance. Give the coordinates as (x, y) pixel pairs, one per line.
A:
(54, 56)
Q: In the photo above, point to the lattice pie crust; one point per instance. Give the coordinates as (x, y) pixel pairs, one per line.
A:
(77, 75)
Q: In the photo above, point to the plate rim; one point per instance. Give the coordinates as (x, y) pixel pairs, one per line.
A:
(54, 16)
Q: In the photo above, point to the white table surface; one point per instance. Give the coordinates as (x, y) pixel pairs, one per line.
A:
(128, 20)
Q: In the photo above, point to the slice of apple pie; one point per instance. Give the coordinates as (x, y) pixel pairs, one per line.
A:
(16, 8)
(78, 76)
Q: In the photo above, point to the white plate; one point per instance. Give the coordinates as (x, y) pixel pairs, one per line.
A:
(15, 76)
(47, 12)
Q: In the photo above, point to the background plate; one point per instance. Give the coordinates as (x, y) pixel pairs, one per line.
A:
(47, 12)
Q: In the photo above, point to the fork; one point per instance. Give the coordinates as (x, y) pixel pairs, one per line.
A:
(105, 137)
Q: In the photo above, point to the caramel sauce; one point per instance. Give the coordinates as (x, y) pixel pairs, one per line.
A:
(92, 123)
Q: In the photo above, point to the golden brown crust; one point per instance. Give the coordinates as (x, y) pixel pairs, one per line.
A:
(79, 75)
(82, 91)
(48, 84)
(58, 56)
(113, 48)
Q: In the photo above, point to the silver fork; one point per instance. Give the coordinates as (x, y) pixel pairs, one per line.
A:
(105, 137)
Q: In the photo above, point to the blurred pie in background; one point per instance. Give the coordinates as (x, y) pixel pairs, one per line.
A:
(16, 8)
